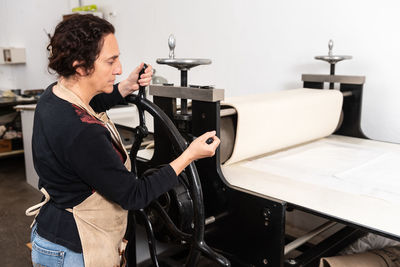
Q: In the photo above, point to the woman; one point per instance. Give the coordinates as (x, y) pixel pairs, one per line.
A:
(83, 168)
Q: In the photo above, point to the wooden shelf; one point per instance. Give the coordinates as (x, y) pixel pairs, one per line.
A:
(11, 153)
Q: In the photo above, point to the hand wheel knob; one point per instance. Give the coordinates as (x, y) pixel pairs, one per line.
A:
(171, 44)
(209, 140)
(330, 46)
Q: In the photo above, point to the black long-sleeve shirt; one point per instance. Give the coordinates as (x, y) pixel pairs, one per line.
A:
(74, 156)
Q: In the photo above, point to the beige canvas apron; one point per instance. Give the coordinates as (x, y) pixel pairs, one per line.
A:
(101, 223)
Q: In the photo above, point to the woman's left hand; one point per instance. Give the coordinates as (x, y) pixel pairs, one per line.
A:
(131, 84)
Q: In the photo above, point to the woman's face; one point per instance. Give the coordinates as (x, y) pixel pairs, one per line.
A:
(106, 66)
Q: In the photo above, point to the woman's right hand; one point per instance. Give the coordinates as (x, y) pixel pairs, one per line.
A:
(198, 149)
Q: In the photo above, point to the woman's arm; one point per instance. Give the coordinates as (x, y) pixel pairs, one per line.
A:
(103, 102)
(96, 162)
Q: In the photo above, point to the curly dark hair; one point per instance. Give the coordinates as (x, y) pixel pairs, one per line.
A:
(77, 38)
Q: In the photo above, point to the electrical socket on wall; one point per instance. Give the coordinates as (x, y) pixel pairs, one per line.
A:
(12, 55)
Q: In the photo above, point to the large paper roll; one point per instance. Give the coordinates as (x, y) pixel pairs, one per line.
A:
(277, 120)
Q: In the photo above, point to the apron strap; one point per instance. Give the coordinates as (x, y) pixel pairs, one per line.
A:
(34, 210)
(71, 97)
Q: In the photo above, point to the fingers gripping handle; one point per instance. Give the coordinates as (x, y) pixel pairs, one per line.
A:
(142, 94)
(142, 91)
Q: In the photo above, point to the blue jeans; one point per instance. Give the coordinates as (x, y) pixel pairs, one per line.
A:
(46, 253)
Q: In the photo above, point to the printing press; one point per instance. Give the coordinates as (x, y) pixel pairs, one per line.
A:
(232, 209)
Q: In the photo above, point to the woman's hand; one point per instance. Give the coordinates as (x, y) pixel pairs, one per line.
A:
(198, 149)
(131, 84)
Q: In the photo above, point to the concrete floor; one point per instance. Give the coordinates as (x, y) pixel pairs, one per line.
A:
(15, 197)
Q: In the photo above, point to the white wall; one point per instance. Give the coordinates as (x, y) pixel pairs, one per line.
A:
(255, 46)
(21, 25)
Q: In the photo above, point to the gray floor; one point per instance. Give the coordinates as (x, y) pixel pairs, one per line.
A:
(15, 197)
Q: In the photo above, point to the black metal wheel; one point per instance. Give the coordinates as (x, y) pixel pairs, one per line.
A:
(195, 239)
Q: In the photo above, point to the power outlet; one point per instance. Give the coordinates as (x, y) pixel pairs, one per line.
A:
(12, 55)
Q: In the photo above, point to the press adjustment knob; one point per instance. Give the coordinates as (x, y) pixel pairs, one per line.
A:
(330, 46)
(171, 44)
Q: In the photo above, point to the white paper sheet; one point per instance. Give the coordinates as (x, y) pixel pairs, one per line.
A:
(339, 166)
(378, 178)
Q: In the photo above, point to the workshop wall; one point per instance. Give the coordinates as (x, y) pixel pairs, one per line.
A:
(23, 24)
(255, 46)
